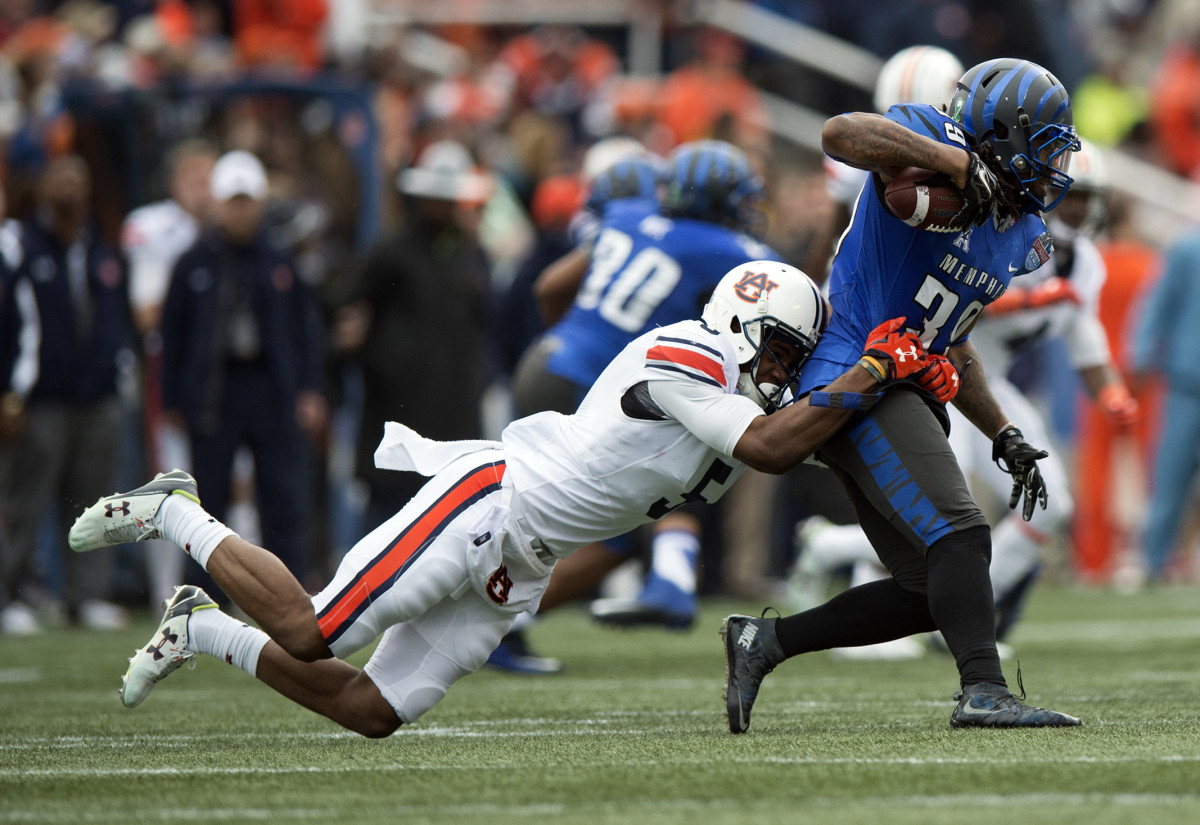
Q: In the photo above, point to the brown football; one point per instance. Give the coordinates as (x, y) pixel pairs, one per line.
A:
(924, 199)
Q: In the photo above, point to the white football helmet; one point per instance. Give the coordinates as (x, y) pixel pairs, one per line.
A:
(606, 153)
(1089, 178)
(918, 74)
(760, 301)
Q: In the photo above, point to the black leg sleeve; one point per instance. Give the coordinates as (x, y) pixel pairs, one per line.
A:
(875, 612)
(960, 599)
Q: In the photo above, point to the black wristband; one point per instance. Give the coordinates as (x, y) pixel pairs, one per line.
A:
(843, 400)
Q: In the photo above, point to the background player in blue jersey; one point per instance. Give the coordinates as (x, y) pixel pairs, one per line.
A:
(1006, 143)
(650, 267)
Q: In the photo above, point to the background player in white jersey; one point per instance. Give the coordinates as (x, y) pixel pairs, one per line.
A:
(677, 416)
(1059, 299)
(152, 238)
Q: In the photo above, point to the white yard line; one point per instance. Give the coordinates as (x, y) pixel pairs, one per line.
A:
(269, 770)
(328, 814)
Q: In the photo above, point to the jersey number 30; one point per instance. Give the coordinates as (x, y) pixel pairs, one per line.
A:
(626, 290)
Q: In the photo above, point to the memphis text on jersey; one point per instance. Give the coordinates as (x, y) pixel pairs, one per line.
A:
(972, 276)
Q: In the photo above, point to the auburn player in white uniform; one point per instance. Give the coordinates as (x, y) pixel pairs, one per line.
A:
(1060, 299)
(675, 417)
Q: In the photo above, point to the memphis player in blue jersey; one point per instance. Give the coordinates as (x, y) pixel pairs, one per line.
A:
(1006, 142)
(649, 270)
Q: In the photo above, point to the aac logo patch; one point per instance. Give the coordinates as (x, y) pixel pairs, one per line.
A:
(754, 285)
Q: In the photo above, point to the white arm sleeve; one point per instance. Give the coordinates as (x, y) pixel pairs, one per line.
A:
(1087, 342)
(717, 418)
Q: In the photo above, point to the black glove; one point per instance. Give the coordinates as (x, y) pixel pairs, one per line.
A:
(1020, 459)
(980, 191)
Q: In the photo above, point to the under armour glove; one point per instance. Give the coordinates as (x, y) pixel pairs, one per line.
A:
(1119, 407)
(892, 352)
(940, 378)
(979, 192)
(1020, 459)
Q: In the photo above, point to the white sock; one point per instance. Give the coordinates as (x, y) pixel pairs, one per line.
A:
(187, 524)
(217, 634)
(674, 555)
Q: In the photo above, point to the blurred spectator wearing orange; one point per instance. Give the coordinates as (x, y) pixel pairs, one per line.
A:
(1175, 108)
(710, 98)
(279, 33)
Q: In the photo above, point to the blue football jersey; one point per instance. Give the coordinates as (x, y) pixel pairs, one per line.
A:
(647, 271)
(939, 282)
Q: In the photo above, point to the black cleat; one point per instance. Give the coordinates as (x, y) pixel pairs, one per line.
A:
(751, 652)
(987, 705)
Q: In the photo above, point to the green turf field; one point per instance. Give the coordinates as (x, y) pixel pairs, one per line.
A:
(633, 733)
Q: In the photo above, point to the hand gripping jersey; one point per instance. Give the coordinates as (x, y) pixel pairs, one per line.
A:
(656, 430)
(1000, 338)
(939, 282)
(647, 271)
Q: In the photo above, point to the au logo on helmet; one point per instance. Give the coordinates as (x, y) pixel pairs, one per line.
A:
(754, 285)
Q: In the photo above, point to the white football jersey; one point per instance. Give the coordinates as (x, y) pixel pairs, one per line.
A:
(153, 237)
(622, 460)
(999, 338)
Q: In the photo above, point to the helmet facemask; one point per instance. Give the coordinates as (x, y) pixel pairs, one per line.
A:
(1044, 168)
(791, 349)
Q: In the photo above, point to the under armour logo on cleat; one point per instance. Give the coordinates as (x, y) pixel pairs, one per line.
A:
(156, 650)
(110, 509)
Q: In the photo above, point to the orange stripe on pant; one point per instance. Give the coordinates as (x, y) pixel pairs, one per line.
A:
(407, 545)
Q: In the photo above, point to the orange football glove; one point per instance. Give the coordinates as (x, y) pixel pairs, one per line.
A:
(940, 378)
(892, 353)
(1051, 291)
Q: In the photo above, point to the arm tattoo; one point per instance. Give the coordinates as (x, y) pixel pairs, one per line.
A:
(875, 143)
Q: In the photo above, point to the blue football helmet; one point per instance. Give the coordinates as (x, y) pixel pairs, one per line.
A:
(634, 177)
(713, 181)
(1024, 113)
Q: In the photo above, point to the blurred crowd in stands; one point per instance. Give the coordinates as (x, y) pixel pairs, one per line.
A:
(414, 179)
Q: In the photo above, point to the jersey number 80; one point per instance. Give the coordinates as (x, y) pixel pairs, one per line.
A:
(626, 290)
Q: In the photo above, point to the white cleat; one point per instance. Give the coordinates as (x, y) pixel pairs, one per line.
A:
(126, 517)
(167, 648)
